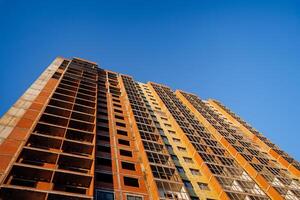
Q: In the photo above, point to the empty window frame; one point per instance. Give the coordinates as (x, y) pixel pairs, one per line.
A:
(203, 186)
(125, 153)
(124, 142)
(121, 132)
(195, 172)
(182, 149)
(176, 140)
(120, 124)
(119, 117)
(188, 160)
(118, 111)
(129, 181)
(128, 166)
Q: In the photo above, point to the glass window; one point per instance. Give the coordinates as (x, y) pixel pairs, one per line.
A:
(203, 186)
(195, 171)
(187, 184)
(104, 195)
(180, 169)
(133, 197)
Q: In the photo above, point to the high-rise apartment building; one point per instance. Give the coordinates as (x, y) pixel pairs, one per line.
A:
(81, 132)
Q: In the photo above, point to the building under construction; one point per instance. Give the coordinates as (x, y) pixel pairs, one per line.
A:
(81, 132)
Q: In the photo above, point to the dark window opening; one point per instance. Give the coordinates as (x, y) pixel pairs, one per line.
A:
(103, 149)
(102, 177)
(125, 153)
(128, 166)
(120, 124)
(133, 182)
(120, 132)
(104, 162)
(124, 142)
(118, 111)
(119, 117)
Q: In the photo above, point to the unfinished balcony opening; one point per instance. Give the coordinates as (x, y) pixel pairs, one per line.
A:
(104, 180)
(66, 92)
(84, 109)
(84, 86)
(68, 82)
(63, 97)
(43, 142)
(104, 130)
(102, 110)
(86, 97)
(74, 71)
(67, 87)
(61, 104)
(37, 158)
(85, 103)
(101, 113)
(89, 83)
(66, 197)
(57, 111)
(104, 151)
(29, 177)
(103, 121)
(101, 88)
(115, 92)
(81, 126)
(72, 183)
(70, 79)
(77, 148)
(55, 120)
(88, 80)
(103, 139)
(79, 136)
(102, 103)
(18, 193)
(82, 165)
(50, 130)
(102, 92)
(112, 82)
(103, 163)
(73, 75)
(83, 117)
(112, 76)
(86, 92)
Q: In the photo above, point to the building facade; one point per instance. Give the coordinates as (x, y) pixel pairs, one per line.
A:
(81, 133)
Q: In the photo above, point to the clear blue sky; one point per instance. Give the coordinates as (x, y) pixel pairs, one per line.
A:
(243, 53)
